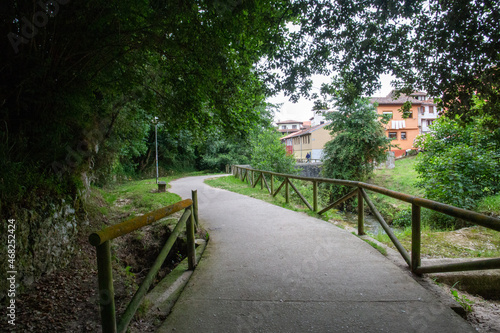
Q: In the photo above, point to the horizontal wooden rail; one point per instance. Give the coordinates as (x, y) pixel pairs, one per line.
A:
(102, 240)
(414, 261)
(99, 237)
(477, 218)
(143, 289)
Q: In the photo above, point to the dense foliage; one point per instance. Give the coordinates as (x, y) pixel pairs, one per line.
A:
(80, 82)
(459, 164)
(358, 142)
(449, 48)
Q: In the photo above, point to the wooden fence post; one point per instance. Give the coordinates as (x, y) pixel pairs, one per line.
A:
(287, 191)
(194, 196)
(315, 196)
(361, 213)
(415, 237)
(272, 184)
(190, 242)
(106, 290)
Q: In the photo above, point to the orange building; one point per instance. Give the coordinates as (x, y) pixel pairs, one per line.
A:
(404, 130)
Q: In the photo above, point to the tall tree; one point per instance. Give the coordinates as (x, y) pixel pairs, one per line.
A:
(359, 141)
(72, 74)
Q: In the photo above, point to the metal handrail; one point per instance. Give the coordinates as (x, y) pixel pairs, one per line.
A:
(413, 261)
(102, 241)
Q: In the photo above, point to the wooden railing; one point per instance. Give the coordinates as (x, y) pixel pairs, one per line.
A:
(101, 240)
(360, 188)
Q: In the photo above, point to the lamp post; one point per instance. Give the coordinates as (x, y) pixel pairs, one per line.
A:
(156, 146)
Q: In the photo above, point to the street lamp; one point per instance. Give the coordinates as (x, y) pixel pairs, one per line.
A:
(155, 121)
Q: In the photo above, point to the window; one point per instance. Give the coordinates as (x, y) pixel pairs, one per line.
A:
(387, 114)
(294, 126)
(283, 127)
(393, 135)
(408, 114)
(431, 109)
(403, 135)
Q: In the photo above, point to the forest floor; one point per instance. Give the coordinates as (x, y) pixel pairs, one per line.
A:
(67, 300)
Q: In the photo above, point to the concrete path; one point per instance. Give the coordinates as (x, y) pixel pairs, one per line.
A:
(269, 269)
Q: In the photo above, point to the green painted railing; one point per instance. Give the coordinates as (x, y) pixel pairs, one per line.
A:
(101, 240)
(360, 188)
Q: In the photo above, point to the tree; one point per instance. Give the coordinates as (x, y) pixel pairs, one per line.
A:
(459, 164)
(73, 74)
(448, 48)
(359, 141)
(269, 154)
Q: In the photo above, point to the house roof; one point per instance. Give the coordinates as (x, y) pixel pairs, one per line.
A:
(392, 100)
(304, 131)
(289, 122)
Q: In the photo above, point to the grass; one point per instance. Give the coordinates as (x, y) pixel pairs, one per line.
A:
(473, 242)
(141, 196)
(402, 178)
(376, 246)
(490, 205)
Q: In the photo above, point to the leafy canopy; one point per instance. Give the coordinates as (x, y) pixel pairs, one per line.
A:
(448, 48)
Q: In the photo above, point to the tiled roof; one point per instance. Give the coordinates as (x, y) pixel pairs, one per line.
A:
(390, 99)
(289, 122)
(304, 131)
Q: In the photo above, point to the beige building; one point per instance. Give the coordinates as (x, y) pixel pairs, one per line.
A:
(310, 140)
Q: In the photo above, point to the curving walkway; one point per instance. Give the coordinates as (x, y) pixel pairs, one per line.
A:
(269, 269)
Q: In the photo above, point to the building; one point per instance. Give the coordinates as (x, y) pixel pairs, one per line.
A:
(292, 126)
(319, 117)
(310, 140)
(404, 129)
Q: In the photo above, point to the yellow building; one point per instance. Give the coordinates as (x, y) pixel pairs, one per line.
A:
(310, 140)
(404, 129)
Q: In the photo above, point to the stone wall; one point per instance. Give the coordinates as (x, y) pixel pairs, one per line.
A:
(309, 169)
(45, 239)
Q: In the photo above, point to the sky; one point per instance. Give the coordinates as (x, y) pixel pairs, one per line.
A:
(302, 110)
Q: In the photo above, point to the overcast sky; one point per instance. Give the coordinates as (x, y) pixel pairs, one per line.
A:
(301, 111)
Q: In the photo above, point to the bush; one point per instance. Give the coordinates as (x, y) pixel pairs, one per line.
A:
(269, 154)
(460, 163)
(402, 218)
